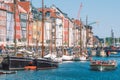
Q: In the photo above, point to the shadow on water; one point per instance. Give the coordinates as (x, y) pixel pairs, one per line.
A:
(115, 56)
(102, 71)
(75, 65)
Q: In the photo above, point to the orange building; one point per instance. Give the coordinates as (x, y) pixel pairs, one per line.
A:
(66, 32)
(50, 20)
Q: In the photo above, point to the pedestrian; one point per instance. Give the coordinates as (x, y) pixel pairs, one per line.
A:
(0, 50)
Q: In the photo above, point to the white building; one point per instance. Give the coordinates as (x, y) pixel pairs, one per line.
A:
(83, 37)
(59, 32)
(71, 33)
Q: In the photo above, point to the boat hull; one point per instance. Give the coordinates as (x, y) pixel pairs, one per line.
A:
(67, 58)
(19, 63)
(15, 63)
(81, 58)
(103, 67)
(45, 63)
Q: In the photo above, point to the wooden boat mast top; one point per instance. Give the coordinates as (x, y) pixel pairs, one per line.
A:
(43, 29)
(15, 43)
(80, 36)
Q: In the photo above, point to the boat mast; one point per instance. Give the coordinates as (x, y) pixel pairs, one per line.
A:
(50, 39)
(54, 34)
(80, 37)
(15, 43)
(42, 28)
(37, 38)
(62, 42)
(86, 31)
(112, 35)
(68, 34)
(28, 29)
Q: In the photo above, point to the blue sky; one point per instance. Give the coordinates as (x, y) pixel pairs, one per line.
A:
(106, 12)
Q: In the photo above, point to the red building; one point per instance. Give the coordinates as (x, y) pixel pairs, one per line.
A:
(66, 32)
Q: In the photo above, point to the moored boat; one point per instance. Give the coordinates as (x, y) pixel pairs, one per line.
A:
(102, 53)
(19, 63)
(67, 58)
(103, 65)
(53, 57)
(15, 63)
(43, 63)
(81, 58)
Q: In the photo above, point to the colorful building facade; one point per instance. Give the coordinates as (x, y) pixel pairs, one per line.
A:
(58, 27)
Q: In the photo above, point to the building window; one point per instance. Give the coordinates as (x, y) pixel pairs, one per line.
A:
(47, 14)
(40, 15)
(57, 13)
(60, 25)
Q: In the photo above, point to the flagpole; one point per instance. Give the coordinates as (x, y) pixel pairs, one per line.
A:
(15, 44)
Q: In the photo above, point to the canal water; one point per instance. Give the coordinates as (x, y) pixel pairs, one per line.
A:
(68, 71)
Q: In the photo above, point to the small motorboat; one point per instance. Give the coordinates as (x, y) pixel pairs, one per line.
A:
(30, 67)
(103, 65)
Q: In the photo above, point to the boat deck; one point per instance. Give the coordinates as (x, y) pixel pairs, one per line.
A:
(7, 72)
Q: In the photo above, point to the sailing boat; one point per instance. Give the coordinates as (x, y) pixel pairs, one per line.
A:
(20, 62)
(16, 61)
(41, 62)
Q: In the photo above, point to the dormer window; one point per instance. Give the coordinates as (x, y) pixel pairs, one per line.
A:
(40, 15)
(47, 14)
(57, 13)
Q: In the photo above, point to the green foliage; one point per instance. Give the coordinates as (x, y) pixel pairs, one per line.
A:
(110, 40)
